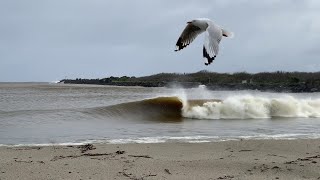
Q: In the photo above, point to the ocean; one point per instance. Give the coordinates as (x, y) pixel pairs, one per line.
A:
(51, 114)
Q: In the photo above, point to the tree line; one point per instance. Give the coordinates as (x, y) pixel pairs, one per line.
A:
(301, 81)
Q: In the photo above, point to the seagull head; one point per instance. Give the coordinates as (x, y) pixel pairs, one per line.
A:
(198, 21)
(202, 24)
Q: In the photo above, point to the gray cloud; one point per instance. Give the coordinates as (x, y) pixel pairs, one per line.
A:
(44, 40)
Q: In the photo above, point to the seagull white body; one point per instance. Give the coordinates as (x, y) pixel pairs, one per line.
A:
(213, 36)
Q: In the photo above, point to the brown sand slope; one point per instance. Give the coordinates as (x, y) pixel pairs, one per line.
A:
(252, 159)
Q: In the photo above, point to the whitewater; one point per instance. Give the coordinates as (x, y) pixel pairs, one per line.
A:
(46, 113)
(254, 107)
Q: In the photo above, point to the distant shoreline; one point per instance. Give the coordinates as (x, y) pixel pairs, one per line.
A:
(295, 82)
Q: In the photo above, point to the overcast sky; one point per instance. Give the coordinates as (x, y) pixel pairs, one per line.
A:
(47, 40)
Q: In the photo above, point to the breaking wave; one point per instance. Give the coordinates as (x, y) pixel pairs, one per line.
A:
(252, 107)
(233, 107)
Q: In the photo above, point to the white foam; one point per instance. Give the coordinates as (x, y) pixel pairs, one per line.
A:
(164, 139)
(252, 107)
(180, 139)
(138, 140)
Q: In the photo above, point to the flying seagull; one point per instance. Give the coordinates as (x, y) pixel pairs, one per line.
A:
(213, 36)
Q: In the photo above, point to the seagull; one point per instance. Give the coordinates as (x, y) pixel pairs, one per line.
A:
(213, 36)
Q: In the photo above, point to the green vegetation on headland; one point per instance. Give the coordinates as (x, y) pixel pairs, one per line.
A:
(265, 81)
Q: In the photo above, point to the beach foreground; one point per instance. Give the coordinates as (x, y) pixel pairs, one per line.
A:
(247, 159)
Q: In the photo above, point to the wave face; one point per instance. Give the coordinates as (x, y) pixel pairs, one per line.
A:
(157, 109)
(252, 107)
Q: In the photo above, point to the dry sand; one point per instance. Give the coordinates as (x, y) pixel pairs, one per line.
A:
(248, 159)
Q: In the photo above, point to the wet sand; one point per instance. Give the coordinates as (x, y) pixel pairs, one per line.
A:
(247, 159)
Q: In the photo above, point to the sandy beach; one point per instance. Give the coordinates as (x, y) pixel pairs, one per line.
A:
(247, 159)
